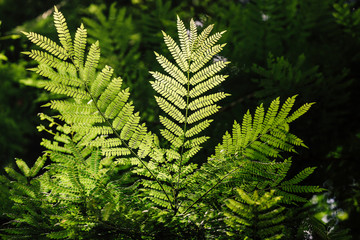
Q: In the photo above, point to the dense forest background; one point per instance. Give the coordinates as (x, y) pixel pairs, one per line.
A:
(276, 48)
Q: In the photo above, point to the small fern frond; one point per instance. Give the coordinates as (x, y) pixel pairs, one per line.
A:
(43, 57)
(167, 82)
(47, 44)
(24, 168)
(169, 94)
(170, 109)
(171, 69)
(92, 62)
(207, 100)
(266, 134)
(207, 72)
(257, 205)
(193, 35)
(79, 46)
(203, 113)
(207, 85)
(198, 128)
(202, 37)
(184, 40)
(102, 81)
(180, 57)
(63, 32)
(168, 124)
(300, 176)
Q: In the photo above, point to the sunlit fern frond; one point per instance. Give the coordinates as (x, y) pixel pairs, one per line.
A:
(255, 215)
(182, 94)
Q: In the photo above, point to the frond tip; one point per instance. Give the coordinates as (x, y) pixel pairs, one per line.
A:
(190, 75)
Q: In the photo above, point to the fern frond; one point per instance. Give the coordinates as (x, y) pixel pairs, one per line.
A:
(300, 176)
(207, 85)
(203, 113)
(167, 82)
(59, 88)
(169, 94)
(198, 128)
(138, 135)
(170, 109)
(39, 163)
(195, 142)
(24, 168)
(202, 37)
(79, 46)
(102, 81)
(260, 206)
(207, 72)
(47, 44)
(205, 57)
(207, 100)
(173, 127)
(176, 141)
(193, 35)
(180, 57)
(184, 40)
(92, 61)
(58, 76)
(43, 57)
(171, 69)
(130, 127)
(117, 104)
(63, 32)
(110, 152)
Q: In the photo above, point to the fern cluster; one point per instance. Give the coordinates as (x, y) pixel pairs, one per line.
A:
(108, 176)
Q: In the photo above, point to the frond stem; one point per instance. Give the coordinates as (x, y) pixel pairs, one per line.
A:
(184, 130)
(210, 189)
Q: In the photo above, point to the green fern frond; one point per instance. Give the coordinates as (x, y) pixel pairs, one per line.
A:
(57, 76)
(79, 46)
(207, 85)
(180, 57)
(300, 176)
(43, 57)
(171, 69)
(63, 32)
(92, 61)
(118, 105)
(199, 41)
(164, 81)
(184, 40)
(198, 128)
(47, 44)
(207, 72)
(168, 124)
(170, 109)
(102, 81)
(174, 140)
(203, 113)
(255, 215)
(169, 94)
(59, 88)
(207, 100)
(24, 168)
(38, 165)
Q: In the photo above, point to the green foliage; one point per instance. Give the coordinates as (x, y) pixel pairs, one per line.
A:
(256, 216)
(110, 177)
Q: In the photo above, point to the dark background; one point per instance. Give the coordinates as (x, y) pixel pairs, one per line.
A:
(276, 48)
